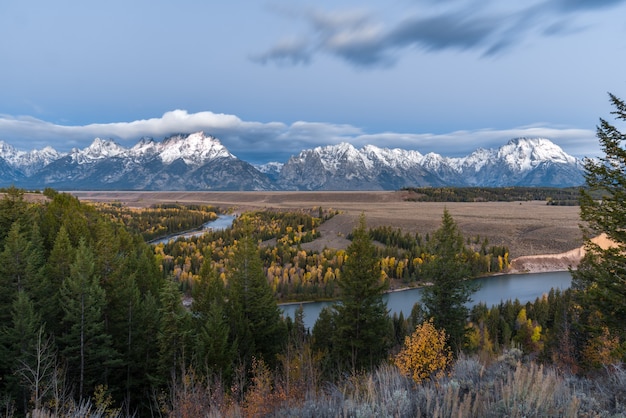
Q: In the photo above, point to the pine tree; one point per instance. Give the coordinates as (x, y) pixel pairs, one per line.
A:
(86, 346)
(600, 281)
(174, 333)
(363, 329)
(36, 260)
(12, 208)
(17, 269)
(18, 341)
(213, 352)
(255, 316)
(56, 270)
(445, 299)
(322, 341)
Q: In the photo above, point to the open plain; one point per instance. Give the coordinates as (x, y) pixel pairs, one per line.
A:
(526, 228)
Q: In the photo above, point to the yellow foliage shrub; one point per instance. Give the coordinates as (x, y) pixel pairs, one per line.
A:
(425, 353)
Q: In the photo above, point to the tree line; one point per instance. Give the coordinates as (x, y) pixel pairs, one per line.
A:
(551, 195)
(159, 220)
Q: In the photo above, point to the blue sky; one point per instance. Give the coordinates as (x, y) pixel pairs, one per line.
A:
(269, 78)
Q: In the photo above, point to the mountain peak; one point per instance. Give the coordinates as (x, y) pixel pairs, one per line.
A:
(6, 150)
(98, 150)
(193, 149)
(525, 153)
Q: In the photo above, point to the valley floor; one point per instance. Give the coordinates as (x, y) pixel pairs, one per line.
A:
(528, 228)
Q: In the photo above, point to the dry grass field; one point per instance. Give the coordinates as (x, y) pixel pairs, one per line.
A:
(527, 228)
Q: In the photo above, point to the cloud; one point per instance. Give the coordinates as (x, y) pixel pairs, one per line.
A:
(582, 5)
(488, 27)
(276, 141)
(288, 51)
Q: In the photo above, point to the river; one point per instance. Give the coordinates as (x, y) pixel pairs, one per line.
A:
(493, 290)
(221, 222)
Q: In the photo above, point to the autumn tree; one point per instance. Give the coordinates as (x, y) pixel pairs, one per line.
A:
(425, 353)
(446, 298)
(363, 331)
(600, 280)
(528, 333)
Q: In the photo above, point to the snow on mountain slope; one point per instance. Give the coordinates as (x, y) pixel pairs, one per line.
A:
(341, 165)
(523, 154)
(197, 161)
(194, 149)
(28, 162)
(98, 150)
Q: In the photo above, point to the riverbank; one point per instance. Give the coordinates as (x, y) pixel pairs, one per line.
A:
(554, 262)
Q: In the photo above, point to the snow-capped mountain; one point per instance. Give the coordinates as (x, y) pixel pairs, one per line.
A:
(27, 162)
(195, 149)
(200, 162)
(521, 162)
(99, 149)
(271, 170)
(179, 162)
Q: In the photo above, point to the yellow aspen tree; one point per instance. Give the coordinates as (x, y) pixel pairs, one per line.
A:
(400, 269)
(425, 353)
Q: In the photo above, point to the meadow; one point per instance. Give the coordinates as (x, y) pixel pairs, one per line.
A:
(526, 228)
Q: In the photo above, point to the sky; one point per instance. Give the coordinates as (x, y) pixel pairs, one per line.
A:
(270, 78)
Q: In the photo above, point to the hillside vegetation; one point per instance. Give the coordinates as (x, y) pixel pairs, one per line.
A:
(134, 347)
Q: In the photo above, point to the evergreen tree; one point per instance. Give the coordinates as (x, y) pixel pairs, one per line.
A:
(600, 281)
(174, 333)
(298, 334)
(255, 316)
(13, 208)
(213, 352)
(86, 346)
(147, 338)
(450, 290)
(56, 270)
(322, 341)
(122, 323)
(18, 341)
(363, 329)
(35, 268)
(17, 269)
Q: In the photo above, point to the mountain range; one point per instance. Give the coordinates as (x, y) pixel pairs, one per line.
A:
(200, 162)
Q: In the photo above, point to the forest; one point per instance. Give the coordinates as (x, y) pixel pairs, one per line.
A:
(97, 322)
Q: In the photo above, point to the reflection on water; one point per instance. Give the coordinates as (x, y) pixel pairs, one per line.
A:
(493, 290)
